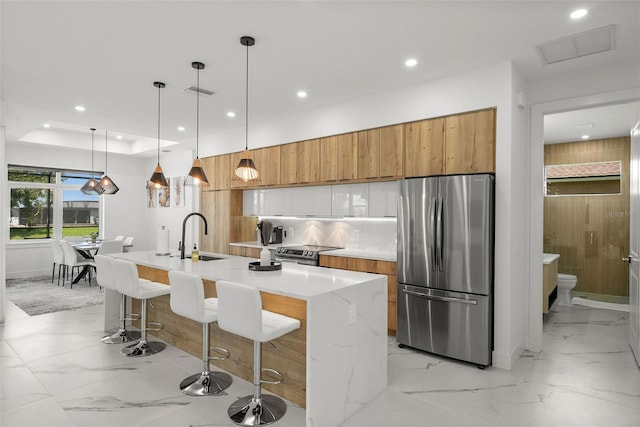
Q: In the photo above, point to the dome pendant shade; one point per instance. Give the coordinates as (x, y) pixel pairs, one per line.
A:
(196, 175)
(246, 169)
(157, 179)
(92, 187)
(108, 185)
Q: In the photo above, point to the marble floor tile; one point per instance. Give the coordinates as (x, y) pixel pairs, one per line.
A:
(56, 372)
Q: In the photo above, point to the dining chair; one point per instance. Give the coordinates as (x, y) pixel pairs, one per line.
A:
(110, 247)
(128, 241)
(118, 238)
(72, 262)
(58, 259)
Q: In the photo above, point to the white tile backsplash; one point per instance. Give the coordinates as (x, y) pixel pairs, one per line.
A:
(373, 234)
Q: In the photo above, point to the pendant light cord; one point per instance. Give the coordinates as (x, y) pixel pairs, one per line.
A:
(246, 103)
(197, 111)
(159, 87)
(105, 152)
(92, 132)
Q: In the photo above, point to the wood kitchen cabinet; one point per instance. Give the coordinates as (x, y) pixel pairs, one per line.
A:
(223, 210)
(218, 171)
(308, 161)
(470, 142)
(387, 268)
(267, 161)
(381, 152)
(338, 157)
(289, 163)
(244, 251)
(424, 148)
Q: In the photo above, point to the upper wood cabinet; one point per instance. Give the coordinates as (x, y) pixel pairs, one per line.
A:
(267, 161)
(288, 163)
(424, 147)
(218, 171)
(381, 152)
(338, 157)
(470, 142)
(308, 161)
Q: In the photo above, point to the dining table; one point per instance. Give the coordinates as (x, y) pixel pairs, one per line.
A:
(87, 250)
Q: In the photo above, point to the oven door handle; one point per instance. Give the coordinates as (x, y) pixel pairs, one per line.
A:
(443, 299)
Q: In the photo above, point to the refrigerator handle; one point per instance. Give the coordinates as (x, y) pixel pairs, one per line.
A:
(443, 299)
(439, 248)
(432, 231)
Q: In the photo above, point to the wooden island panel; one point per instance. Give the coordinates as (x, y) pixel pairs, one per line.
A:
(287, 354)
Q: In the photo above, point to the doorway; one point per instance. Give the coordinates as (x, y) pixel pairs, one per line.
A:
(538, 113)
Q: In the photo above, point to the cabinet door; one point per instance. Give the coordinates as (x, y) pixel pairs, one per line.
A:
(368, 154)
(347, 156)
(221, 173)
(383, 199)
(308, 158)
(267, 161)
(288, 163)
(424, 148)
(215, 206)
(312, 201)
(470, 142)
(350, 200)
(329, 158)
(391, 151)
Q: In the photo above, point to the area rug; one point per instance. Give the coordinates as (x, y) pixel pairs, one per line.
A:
(37, 295)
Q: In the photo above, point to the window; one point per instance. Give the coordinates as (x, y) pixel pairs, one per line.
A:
(583, 179)
(48, 204)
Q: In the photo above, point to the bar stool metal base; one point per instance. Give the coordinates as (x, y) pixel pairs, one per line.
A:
(206, 383)
(121, 337)
(257, 411)
(143, 348)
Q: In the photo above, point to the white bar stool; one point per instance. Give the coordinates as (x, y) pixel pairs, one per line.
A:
(106, 279)
(240, 312)
(187, 299)
(128, 283)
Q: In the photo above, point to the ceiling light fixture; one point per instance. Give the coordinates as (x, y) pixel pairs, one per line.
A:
(412, 62)
(585, 136)
(92, 186)
(46, 125)
(231, 114)
(246, 169)
(181, 128)
(196, 174)
(107, 183)
(578, 13)
(79, 108)
(157, 179)
(302, 94)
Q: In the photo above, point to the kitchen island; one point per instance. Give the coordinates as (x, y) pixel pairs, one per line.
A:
(333, 365)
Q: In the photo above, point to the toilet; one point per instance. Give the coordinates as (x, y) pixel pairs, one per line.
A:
(566, 282)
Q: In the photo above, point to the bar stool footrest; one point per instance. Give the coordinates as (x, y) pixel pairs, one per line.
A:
(277, 375)
(155, 326)
(225, 353)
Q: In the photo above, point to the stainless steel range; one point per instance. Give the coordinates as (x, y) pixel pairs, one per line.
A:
(306, 254)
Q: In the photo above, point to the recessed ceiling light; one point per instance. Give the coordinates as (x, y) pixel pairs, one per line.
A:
(411, 62)
(231, 114)
(578, 13)
(46, 125)
(585, 136)
(181, 128)
(79, 108)
(302, 94)
(119, 137)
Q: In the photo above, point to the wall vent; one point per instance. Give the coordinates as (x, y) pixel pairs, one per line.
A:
(574, 46)
(194, 89)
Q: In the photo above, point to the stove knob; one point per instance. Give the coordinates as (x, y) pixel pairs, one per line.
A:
(312, 254)
(304, 253)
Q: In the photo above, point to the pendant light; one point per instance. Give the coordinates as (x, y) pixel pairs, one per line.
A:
(92, 186)
(107, 183)
(157, 179)
(246, 169)
(196, 174)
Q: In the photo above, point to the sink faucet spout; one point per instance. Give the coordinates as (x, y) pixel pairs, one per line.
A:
(184, 225)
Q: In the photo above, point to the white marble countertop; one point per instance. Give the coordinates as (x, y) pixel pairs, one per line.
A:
(258, 245)
(293, 280)
(549, 258)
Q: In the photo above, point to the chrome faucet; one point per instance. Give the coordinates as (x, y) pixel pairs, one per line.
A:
(184, 224)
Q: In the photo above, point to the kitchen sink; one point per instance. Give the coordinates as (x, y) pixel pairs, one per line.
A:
(209, 258)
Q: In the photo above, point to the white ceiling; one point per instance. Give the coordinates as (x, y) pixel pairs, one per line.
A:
(105, 55)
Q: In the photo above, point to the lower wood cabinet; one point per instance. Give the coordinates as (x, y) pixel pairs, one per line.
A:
(387, 268)
(244, 251)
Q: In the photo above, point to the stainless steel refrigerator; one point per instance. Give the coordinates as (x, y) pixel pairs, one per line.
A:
(445, 266)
